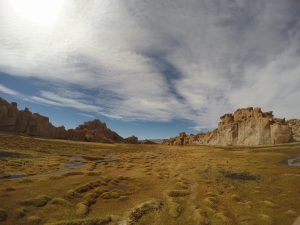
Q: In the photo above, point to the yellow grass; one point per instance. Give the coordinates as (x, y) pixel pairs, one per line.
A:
(68, 182)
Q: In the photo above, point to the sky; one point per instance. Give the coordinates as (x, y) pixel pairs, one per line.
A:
(150, 68)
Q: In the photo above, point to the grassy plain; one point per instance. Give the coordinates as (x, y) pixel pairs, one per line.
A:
(73, 183)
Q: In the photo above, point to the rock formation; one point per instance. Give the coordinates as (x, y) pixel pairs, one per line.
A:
(93, 131)
(147, 142)
(295, 125)
(247, 126)
(27, 123)
(132, 140)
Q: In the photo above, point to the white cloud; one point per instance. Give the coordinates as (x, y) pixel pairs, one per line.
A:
(51, 98)
(7, 90)
(161, 60)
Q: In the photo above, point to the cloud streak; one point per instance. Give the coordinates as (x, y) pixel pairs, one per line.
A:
(7, 90)
(161, 60)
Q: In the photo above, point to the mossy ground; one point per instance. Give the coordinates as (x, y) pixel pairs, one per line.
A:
(75, 181)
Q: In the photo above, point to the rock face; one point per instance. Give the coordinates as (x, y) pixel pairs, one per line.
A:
(93, 131)
(247, 126)
(33, 124)
(295, 125)
(147, 142)
(132, 140)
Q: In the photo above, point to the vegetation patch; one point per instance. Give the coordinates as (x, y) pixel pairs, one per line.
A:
(110, 195)
(34, 220)
(144, 208)
(240, 175)
(86, 221)
(39, 201)
(178, 193)
(21, 212)
(73, 174)
(81, 209)
(7, 154)
(88, 186)
(3, 215)
(59, 201)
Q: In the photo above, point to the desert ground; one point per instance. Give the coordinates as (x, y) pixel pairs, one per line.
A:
(72, 183)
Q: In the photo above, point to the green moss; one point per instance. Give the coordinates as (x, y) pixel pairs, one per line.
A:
(144, 208)
(181, 185)
(210, 202)
(73, 174)
(34, 220)
(178, 193)
(88, 186)
(110, 194)
(81, 209)
(39, 201)
(86, 221)
(59, 201)
(72, 193)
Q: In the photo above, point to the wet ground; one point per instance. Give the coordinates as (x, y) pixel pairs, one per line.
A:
(294, 161)
(48, 182)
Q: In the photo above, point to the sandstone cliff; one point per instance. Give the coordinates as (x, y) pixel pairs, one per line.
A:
(295, 125)
(25, 122)
(247, 126)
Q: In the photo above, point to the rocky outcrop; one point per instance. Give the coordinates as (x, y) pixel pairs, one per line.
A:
(295, 125)
(27, 123)
(131, 140)
(147, 142)
(247, 126)
(93, 131)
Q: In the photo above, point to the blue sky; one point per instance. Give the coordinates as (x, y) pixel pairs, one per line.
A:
(150, 68)
(70, 117)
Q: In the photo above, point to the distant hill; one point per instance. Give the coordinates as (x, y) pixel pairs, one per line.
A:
(25, 122)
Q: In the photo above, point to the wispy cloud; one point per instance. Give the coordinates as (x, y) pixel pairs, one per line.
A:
(86, 115)
(161, 60)
(50, 98)
(7, 90)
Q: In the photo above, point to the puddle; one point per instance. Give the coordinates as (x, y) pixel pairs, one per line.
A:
(119, 187)
(240, 176)
(16, 176)
(75, 160)
(294, 162)
(71, 164)
(68, 166)
(7, 154)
